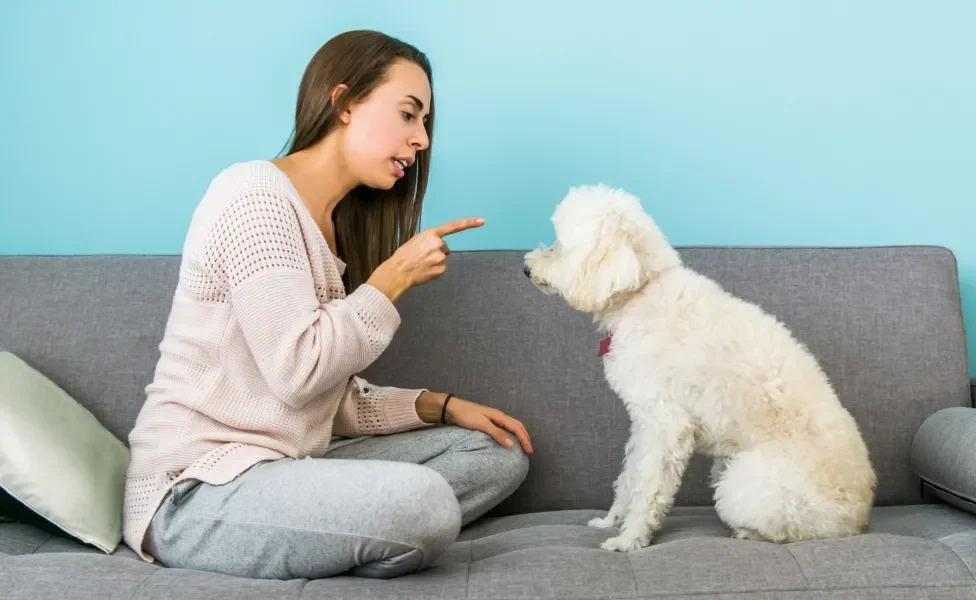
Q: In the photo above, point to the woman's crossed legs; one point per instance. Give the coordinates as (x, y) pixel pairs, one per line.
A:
(374, 507)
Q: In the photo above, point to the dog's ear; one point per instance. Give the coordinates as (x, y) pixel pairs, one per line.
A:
(611, 267)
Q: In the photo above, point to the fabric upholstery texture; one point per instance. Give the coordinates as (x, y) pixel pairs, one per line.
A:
(944, 456)
(886, 324)
(921, 551)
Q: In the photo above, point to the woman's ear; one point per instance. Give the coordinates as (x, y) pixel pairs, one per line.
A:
(340, 107)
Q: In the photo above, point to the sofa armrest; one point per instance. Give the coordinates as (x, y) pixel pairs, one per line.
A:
(943, 455)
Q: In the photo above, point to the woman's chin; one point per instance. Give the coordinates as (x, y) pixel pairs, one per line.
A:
(383, 182)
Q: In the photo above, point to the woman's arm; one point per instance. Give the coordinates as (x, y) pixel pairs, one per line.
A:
(476, 417)
(301, 346)
(367, 409)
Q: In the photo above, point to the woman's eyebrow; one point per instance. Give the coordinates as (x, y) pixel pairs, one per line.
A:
(417, 101)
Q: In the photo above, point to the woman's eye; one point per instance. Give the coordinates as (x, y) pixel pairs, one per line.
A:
(407, 116)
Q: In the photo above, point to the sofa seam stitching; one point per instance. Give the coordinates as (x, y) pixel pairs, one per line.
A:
(41, 545)
(799, 566)
(633, 574)
(956, 554)
(752, 592)
(142, 585)
(940, 487)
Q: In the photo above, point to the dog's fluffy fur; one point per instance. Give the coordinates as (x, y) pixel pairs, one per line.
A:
(701, 371)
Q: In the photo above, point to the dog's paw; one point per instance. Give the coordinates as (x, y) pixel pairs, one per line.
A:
(626, 543)
(747, 534)
(602, 522)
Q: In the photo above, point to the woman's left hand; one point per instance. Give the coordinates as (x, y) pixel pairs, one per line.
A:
(475, 417)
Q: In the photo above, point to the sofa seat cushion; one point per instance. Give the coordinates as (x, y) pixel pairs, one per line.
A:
(19, 539)
(555, 555)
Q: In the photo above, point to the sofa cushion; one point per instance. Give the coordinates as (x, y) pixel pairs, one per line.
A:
(18, 539)
(56, 459)
(885, 322)
(555, 555)
(70, 576)
(944, 456)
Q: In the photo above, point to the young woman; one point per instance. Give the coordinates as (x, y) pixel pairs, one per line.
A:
(249, 456)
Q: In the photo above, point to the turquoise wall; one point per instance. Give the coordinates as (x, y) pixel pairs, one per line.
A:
(751, 122)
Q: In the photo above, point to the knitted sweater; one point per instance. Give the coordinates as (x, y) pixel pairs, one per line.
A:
(261, 351)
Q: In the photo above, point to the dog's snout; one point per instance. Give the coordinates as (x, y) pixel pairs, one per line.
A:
(527, 271)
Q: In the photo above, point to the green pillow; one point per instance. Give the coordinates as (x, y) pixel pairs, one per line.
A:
(57, 459)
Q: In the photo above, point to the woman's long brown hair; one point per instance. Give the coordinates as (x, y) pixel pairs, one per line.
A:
(370, 224)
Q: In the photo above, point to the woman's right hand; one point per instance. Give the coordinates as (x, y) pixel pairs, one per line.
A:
(421, 259)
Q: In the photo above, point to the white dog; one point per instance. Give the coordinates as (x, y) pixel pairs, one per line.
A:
(701, 371)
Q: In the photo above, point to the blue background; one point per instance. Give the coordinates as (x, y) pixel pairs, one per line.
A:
(750, 122)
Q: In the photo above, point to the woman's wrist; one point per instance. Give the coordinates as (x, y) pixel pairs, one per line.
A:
(429, 406)
(389, 281)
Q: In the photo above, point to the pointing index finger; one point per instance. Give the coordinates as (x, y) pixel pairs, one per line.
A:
(458, 225)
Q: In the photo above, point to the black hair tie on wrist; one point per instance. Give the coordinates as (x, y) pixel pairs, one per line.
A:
(444, 407)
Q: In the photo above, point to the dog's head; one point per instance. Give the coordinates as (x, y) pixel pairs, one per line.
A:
(606, 248)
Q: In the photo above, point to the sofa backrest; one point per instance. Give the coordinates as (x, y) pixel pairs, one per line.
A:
(886, 324)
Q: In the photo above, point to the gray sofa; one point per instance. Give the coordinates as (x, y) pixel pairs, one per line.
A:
(885, 322)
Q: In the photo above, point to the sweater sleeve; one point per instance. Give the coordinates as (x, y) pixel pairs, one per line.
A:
(301, 345)
(367, 409)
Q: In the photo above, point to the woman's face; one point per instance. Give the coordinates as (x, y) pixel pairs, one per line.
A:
(385, 130)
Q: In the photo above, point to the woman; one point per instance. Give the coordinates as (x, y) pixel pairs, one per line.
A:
(247, 458)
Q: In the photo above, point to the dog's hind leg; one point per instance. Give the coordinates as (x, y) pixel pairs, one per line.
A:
(661, 453)
(766, 496)
(717, 471)
(719, 465)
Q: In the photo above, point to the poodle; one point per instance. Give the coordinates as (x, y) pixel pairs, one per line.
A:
(702, 371)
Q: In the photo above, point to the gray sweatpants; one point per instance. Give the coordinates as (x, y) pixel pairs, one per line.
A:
(374, 507)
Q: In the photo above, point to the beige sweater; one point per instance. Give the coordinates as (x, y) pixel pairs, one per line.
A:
(261, 352)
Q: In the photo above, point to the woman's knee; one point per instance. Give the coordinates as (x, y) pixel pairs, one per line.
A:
(425, 511)
(509, 465)
(426, 501)
(408, 506)
(515, 463)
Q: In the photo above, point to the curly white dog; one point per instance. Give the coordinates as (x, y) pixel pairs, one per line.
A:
(701, 371)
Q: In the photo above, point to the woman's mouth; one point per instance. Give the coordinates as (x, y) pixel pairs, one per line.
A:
(400, 165)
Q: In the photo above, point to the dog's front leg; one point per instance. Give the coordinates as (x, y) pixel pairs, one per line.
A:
(661, 454)
(623, 485)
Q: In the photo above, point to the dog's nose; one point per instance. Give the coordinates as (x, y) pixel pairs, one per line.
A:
(527, 272)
